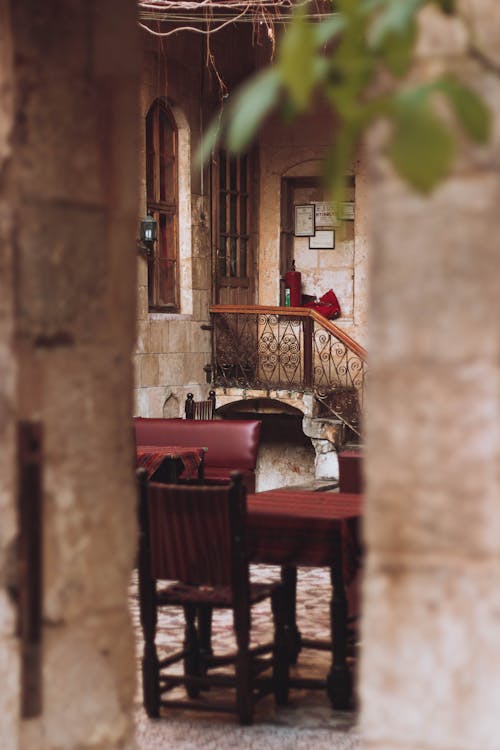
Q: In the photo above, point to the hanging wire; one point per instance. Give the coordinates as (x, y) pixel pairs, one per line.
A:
(210, 30)
(209, 16)
(162, 18)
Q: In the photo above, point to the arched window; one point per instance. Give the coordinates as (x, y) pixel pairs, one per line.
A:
(162, 192)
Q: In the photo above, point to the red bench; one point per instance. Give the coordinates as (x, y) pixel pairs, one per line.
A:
(232, 444)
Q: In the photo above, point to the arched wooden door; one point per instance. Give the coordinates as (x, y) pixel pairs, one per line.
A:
(234, 229)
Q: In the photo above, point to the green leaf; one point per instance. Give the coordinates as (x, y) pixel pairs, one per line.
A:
(339, 162)
(327, 29)
(370, 5)
(288, 111)
(208, 141)
(397, 17)
(422, 148)
(251, 104)
(321, 69)
(471, 111)
(396, 50)
(296, 55)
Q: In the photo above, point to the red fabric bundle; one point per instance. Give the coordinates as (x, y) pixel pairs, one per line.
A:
(328, 305)
(293, 283)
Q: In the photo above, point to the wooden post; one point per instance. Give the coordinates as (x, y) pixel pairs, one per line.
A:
(308, 327)
(30, 519)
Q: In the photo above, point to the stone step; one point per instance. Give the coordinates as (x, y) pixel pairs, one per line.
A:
(316, 485)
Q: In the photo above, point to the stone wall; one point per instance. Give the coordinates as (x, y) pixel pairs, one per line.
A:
(69, 77)
(295, 151)
(430, 673)
(172, 349)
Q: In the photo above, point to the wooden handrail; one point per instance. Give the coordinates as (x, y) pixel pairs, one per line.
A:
(296, 312)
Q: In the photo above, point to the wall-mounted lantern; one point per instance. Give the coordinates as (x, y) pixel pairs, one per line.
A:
(148, 234)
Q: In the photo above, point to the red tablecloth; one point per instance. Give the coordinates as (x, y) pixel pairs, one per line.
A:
(151, 457)
(293, 527)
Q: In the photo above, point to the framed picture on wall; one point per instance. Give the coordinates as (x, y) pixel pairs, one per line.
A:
(324, 239)
(304, 220)
(347, 210)
(324, 215)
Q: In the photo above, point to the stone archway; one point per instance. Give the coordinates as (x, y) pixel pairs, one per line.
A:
(286, 454)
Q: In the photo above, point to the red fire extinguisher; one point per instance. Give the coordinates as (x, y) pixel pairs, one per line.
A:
(293, 293)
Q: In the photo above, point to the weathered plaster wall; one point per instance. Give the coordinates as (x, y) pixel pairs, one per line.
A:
(298, 150)
(430, 673)
(68, 206)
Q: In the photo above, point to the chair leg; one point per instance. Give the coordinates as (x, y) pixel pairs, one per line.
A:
(151, 681)
(205, 630)
(281, 656)
(149, 615)
(192, 660)
(244, 699)
(244, 673)
(294, 638)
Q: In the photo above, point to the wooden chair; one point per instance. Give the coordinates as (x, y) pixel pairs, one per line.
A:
(200, 409)
(192, 555)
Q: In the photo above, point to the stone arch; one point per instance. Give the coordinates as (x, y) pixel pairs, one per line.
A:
(257, 406)
(171, 406)
(304, 168)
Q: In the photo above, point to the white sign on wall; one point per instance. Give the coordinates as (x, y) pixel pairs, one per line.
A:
(327, 217)
(324, 215)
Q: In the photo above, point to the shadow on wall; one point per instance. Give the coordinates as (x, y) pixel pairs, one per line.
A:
(171, 407)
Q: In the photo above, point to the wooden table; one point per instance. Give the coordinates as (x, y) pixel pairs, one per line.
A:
(318, 529)
(165, 463)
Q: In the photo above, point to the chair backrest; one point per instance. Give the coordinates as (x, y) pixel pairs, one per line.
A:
(195, 533)
(200, 409)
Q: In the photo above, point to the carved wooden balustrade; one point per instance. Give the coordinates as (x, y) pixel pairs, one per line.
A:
(293, 349)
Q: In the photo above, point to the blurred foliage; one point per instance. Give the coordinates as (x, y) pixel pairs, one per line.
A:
(358, 59)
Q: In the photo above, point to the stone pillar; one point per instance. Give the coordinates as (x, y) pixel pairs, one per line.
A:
(68, 221)
(430, 670)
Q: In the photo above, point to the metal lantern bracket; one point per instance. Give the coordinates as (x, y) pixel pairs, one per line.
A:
(148, 234)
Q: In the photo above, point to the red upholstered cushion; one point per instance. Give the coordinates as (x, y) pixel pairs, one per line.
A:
(230, 443)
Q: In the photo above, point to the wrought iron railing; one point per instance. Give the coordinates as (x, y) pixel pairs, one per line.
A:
(289, 348)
